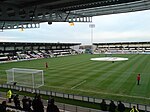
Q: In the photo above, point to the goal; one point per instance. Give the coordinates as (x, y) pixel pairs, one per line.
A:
(25, 77)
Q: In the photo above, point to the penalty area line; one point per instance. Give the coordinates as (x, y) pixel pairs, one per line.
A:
(78, 84)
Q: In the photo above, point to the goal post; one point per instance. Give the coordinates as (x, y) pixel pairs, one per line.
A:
(25, 77)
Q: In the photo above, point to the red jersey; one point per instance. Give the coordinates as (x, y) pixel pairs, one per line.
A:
(138, 77)
(46, 65)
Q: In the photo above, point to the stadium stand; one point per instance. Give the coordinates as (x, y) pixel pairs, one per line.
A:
(13, 51)
(3, 57)
(64, 52)
(123, 47)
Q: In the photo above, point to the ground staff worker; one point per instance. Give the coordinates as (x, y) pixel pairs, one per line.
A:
(134, 109)
(9, 95)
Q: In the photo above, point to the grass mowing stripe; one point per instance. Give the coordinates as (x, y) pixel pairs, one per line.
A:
(85, 75)
(97, 82)
(131, 80)
(76, 74)
(89, 73)
(66, 82)
(141, 90)
(122, 76)
(105, 79)
(100, 82)
(113, 94)
(66, 72)
(71, 63)
(137, 67)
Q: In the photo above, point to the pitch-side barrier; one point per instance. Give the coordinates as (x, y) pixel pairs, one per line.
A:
(142, 107)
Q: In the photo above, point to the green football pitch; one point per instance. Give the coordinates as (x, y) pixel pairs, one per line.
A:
(81, 76)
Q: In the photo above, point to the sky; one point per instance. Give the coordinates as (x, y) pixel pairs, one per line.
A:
(125, 27)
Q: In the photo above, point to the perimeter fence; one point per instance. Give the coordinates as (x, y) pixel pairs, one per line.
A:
(73, 108)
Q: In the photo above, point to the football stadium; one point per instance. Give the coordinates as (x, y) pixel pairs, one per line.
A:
(72, 72)
(78, 77)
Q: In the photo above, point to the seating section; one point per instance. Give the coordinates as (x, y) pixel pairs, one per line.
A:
(65, 52)
(124, 48)
(18, 51)
(3, 57)
(36, 54)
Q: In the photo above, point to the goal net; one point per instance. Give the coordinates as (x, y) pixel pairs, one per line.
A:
(25, 77)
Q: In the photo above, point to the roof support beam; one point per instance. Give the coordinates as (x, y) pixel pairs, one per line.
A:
(114, 9)
(18, 25)
(13, 13)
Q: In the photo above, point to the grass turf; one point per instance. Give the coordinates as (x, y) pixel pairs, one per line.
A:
(79, 75)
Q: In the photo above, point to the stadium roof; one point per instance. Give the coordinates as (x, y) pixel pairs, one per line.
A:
(36, 44)
(116, 43)
(29, 13)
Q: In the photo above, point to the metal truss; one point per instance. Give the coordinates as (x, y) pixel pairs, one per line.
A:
(116, 8)
(12, 17)
(29, 14)
(18, 25)
(35, 14)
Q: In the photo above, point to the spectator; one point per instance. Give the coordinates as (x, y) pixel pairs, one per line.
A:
(29, 103)
(121, 107)
(112, 107)
(38, 104)
(52, 107)
(103, 105)
(9, 96)
(49, 100)
(134, 109)
(3, 106)
(24, 103)
(17, 101)
(15, 98)
(34, 106)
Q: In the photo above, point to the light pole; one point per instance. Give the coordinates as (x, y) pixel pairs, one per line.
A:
(92, 26)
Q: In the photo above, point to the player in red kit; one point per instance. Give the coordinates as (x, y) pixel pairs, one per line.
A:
(138, 79)
(46, 65)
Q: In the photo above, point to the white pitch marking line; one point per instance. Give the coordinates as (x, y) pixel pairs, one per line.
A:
(78, 84)
(114, 94)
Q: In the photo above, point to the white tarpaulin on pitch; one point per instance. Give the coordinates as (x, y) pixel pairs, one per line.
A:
(109, 59)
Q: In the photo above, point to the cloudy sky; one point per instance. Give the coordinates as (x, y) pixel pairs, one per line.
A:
(124, 27)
